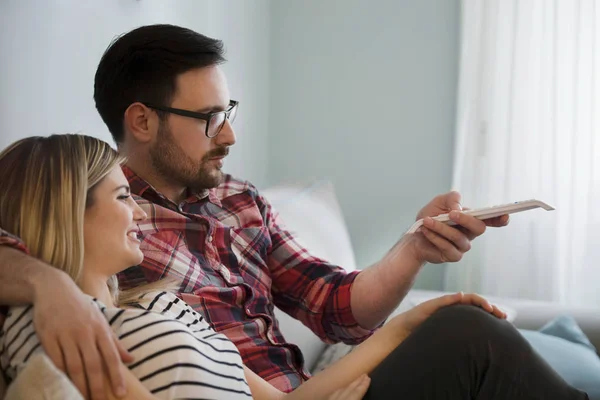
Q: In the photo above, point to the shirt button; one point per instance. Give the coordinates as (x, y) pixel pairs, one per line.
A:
(210, 238)
(248, 310)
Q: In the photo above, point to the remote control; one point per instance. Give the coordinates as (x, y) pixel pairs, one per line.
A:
(490, 212)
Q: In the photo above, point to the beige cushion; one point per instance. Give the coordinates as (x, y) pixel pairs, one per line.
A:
(41, 380)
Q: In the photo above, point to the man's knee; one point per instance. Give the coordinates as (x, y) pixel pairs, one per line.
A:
(471, 323)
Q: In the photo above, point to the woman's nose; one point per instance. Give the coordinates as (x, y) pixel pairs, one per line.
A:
(138, 213)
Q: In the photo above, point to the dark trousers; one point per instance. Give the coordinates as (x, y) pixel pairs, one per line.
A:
(462, 352)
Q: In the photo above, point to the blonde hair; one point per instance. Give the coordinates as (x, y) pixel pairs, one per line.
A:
(47, 183)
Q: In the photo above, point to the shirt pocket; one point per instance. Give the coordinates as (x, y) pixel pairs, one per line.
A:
(166, 254)
(251, 247)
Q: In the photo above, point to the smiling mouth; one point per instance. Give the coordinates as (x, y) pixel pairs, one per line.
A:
(134, 235)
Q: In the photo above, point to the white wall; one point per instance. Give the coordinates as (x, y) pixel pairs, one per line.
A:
(50, 50)
(363, 93)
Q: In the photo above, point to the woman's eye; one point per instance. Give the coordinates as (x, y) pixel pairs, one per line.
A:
(124, 197)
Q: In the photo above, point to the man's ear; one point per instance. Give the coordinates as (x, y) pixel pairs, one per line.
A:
(141, 122)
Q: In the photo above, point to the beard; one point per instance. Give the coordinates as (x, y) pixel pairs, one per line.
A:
(172, 164)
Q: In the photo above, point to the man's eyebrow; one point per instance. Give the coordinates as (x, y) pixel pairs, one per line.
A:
(126, 187)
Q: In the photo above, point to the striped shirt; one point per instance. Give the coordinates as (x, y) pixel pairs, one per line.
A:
(177, 354)
(236, 262)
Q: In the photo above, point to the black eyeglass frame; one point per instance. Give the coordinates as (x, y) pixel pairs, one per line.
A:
(192, 114)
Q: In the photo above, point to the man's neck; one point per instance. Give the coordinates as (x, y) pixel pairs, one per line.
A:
(171, 191)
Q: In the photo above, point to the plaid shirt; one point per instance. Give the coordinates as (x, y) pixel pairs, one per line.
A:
(236, 262)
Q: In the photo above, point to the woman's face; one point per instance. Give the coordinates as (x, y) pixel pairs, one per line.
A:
(110, 226)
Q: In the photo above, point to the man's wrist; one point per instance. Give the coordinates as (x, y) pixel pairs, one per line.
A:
(406, 251)
(44, 276)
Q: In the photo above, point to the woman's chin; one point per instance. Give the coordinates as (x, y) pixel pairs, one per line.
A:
(139, 257)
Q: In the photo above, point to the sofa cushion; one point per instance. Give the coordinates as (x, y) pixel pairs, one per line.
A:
(41, 380)
(566, 327)
(312, 213)
(566, 348)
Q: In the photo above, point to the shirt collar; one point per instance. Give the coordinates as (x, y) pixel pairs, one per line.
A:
(143, 189)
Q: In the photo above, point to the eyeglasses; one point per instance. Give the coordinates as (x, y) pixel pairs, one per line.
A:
(214, 121)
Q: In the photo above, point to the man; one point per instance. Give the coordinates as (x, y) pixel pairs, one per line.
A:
(165, 100)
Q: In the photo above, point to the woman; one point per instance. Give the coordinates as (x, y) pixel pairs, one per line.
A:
(68, 200)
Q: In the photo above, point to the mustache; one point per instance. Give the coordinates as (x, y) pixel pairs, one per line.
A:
(218, 152)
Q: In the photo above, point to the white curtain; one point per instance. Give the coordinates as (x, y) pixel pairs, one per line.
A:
(528, 126)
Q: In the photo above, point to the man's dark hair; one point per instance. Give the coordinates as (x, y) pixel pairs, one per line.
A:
(142, 65)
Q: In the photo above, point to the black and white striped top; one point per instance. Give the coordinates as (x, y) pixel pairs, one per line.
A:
(177, 354)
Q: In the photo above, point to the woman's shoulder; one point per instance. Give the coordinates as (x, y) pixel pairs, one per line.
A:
(169, 305)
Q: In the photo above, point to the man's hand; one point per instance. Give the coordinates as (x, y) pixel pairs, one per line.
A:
(77, 337)
(410, 320)
(436, 242)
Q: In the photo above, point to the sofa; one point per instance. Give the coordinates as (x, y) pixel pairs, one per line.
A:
(311, 210)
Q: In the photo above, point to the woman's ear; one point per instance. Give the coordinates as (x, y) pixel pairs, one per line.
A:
(141, 123)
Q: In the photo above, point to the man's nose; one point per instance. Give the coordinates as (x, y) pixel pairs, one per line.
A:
(227, 135)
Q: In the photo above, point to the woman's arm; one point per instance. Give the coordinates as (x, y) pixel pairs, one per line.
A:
(369, 354)
(374, 350)
(361, 360)
(341, 374)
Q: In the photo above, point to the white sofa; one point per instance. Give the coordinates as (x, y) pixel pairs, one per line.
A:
(312, 211)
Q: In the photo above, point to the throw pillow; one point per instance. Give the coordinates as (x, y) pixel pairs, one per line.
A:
(566, 327)
(566, 348)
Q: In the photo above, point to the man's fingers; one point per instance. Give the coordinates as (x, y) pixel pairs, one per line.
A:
(109, 349)
(475, 227)
(452, 201)
(451, 233)
(498, 222)
(74, 366)
(93, 369)
(126, 356)
(457, 238)
(449, 253)
(54, 352)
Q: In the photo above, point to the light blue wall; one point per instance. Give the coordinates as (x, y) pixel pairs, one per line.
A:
(50, 50)
(363, 93)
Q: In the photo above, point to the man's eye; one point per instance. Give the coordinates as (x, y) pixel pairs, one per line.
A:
(124, 197)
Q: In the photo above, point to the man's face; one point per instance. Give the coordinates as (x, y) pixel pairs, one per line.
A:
(181, 153)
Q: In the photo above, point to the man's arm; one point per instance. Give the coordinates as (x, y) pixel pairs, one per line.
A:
(379, 289)
(72, 331)
(18, 274)
(310, 289)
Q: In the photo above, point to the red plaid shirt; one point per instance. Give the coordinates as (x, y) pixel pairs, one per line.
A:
(236, 262)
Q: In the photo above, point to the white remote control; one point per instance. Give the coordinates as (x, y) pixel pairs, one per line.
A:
(490, 212)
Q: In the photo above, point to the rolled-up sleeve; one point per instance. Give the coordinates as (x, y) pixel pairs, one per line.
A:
(6, 239)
